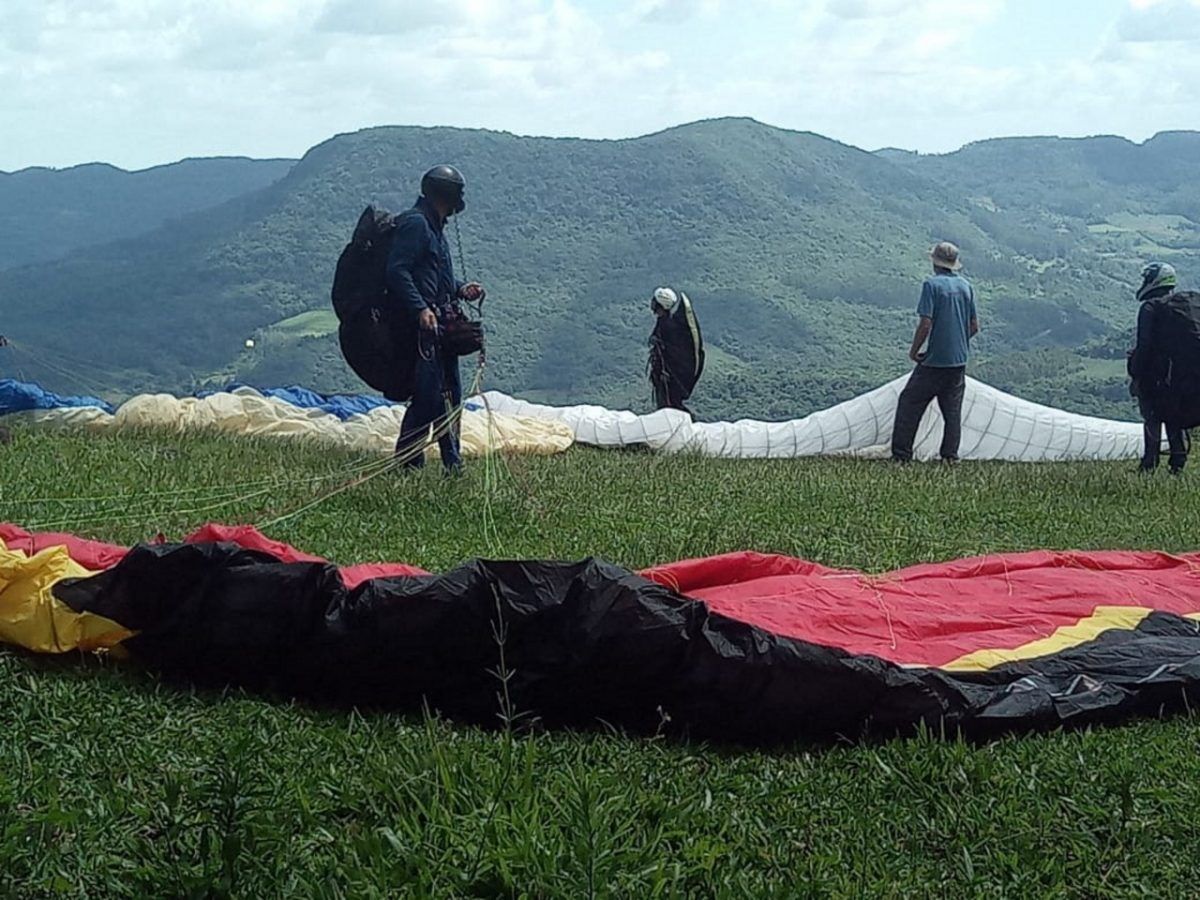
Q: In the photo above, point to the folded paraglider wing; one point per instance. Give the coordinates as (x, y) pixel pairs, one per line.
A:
(745, 647)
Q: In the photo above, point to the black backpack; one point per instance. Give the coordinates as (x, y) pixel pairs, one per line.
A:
(1177, 340)
(379, 345)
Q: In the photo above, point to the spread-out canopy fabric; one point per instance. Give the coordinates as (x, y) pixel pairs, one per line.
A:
(364, 423)
(996, 426)
(744, 647)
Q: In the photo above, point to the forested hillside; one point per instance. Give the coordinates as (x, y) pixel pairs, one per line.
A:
(803, 256)
(46, 214)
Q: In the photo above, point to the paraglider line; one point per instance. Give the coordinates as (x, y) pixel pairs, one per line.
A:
(208, 491)
(440, 427)
(141, 517)
(64, 372)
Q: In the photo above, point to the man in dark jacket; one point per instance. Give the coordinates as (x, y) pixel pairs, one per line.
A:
(1167, 336)
(676, 349)
(420, 276)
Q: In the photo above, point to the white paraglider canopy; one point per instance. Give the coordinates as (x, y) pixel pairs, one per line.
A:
(995, 426)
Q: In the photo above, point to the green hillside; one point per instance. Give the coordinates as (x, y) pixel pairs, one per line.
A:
(46, 214)
(118, 785)
(803, 256)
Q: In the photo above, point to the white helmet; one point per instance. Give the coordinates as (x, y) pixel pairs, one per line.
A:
(664, 298)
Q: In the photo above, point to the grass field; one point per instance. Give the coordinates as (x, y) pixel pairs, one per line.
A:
(314, 323)
(112, 784)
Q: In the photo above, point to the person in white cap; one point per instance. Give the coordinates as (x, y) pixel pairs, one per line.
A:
(676, 349)
(947, 322)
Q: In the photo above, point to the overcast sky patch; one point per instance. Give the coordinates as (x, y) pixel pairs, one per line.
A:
(140, 82)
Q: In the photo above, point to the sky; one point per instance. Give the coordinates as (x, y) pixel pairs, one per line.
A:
(143, 82)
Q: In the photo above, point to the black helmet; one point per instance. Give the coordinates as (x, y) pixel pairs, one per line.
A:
(445, 183)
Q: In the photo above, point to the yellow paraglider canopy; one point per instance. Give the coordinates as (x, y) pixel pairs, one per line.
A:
(33, 618)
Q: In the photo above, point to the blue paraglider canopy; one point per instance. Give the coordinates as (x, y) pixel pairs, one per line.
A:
(20, 396)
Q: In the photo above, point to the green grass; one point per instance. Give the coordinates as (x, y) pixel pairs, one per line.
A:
(314, 323)
(112, 784)
(1111, 369)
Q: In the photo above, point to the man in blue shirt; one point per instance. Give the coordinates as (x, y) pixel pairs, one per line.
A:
(948, 321)
(420, 279)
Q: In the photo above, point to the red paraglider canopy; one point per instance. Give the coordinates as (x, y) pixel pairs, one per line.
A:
(929, 615)
(937, 613)
(745, 646)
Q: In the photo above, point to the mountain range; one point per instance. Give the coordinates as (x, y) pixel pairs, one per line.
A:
(803, 256)
(47, 214)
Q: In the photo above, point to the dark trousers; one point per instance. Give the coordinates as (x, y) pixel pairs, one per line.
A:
(926, 384)
(1153, 428)
(668, 394)
(437, 396)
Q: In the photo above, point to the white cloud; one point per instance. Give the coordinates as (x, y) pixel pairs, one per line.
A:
(142, 81)
(1149, 4)
(1160, 21)
(672, 12)
(866, 9)
(390, 17)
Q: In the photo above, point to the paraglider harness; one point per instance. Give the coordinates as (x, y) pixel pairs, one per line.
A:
(380, 344)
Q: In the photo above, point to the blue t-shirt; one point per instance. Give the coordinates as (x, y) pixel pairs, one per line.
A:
(949, 300)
